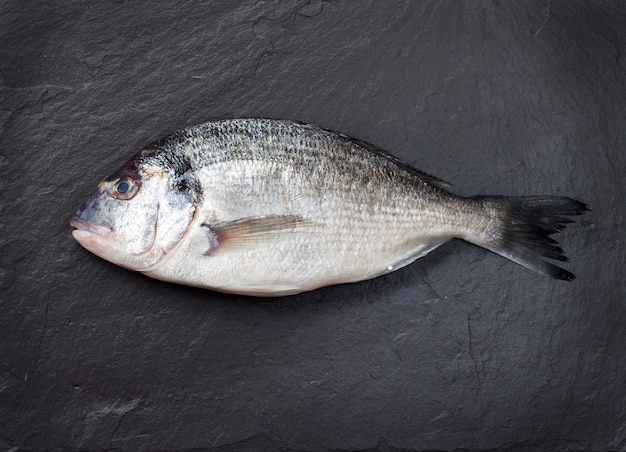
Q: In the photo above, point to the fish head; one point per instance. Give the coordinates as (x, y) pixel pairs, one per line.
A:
(137, 214)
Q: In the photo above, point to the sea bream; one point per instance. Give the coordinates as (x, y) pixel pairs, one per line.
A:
(270, 207)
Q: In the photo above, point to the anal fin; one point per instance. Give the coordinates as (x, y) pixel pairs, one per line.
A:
(415, 254)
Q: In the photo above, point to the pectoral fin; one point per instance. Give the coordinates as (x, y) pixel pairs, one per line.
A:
(251, 229)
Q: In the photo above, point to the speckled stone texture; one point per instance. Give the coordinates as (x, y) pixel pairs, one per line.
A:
(462, 350)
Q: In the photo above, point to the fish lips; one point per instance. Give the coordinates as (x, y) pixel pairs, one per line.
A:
(85, 229)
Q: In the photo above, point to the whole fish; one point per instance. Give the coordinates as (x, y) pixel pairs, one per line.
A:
(270, 207)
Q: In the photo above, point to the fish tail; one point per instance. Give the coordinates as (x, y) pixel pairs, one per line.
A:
(520, 229)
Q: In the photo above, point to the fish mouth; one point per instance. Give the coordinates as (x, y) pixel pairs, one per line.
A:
(84, 229)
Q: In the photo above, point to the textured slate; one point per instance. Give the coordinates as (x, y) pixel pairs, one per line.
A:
(461, 350)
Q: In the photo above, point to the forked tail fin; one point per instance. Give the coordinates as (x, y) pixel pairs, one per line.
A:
(521, 227)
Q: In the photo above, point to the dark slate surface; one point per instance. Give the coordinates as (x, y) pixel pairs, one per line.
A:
(461, 350)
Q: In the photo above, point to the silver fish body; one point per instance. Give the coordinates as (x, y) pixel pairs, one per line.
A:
(268, 207)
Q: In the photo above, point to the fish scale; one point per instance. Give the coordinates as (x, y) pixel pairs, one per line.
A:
(274, 207)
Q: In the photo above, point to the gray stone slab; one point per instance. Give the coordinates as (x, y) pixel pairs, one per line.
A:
(462, 350)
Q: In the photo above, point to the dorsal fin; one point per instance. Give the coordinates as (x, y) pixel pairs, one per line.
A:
(432, 180)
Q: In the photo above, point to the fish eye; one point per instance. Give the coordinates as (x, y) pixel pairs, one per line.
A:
(125, 188)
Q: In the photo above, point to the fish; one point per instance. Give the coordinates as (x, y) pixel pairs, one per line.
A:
(268, 207)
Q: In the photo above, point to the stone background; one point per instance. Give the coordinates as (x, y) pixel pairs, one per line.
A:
(461, 350)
